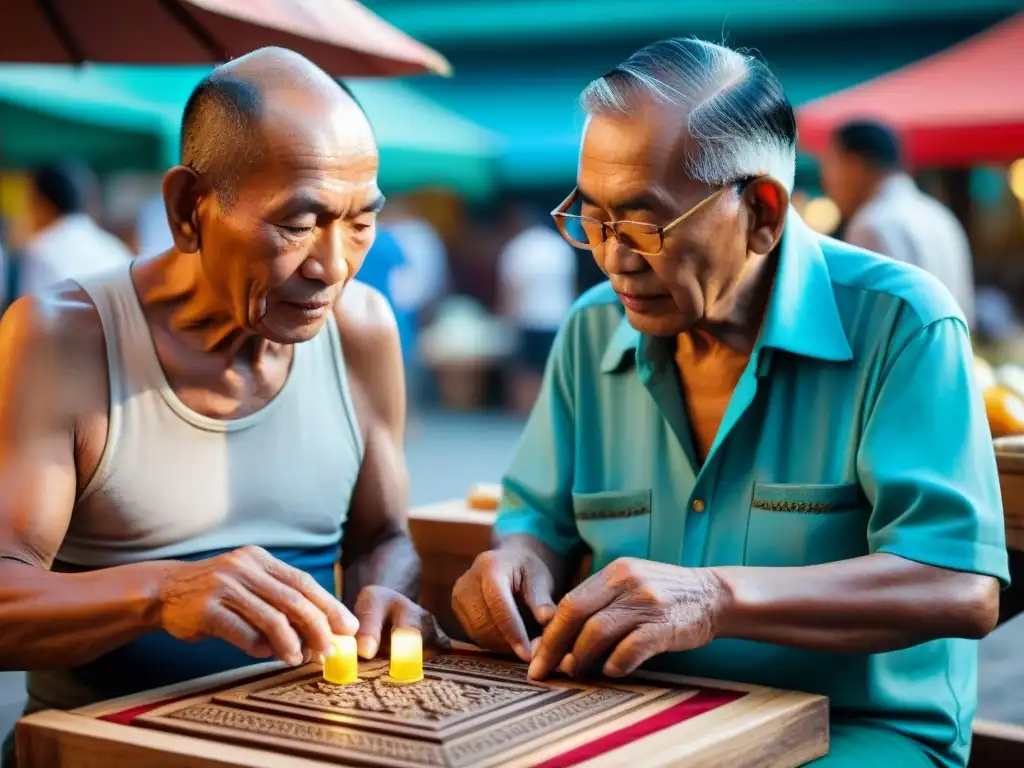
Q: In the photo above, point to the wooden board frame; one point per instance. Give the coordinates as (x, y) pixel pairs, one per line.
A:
(762, 727)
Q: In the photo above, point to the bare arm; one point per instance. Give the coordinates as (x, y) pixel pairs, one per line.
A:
(871, 604)
(51, 370)
(376, 547)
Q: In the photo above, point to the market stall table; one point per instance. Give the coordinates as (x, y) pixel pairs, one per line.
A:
(469, 710)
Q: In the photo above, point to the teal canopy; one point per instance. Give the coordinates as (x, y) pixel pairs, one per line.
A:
(126, 118)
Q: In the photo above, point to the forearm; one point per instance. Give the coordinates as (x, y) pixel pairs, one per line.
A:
(54, 620)
(391, 563)
(871, 604)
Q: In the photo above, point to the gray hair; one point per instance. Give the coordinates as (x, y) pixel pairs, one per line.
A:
(736, 110)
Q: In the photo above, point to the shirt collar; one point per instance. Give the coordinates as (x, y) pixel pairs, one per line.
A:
(802, 318)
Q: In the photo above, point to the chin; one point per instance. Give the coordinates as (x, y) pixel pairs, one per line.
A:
(658, 324)
(288, 333)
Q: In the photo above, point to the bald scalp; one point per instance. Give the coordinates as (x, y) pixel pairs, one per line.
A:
(222, 130)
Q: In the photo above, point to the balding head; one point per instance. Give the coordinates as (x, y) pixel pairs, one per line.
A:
(277, 192)
(225, 125)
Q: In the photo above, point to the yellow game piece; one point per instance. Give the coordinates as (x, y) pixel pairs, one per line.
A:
(406, 655)
(341, 664)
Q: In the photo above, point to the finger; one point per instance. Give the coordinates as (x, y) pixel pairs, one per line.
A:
(273, 624)
(641, 644)
(339, 618)
(574, 609)
(537, 591)
(497, 594)
(230, 627)
(601, 632)
(471, 610)
(434, 637)
(371, 612)
(307, 619)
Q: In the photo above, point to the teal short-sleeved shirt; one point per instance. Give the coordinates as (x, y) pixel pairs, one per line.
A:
(857, 427)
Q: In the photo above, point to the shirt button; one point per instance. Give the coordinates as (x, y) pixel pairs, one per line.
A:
(698, 505)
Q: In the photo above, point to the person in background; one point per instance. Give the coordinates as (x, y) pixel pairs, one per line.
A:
(65, 242)
(885, 212)
(536, 288)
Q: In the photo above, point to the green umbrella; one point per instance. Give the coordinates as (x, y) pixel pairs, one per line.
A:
(126, 118)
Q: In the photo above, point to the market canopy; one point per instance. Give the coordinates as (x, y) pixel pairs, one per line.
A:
(962, 106)
(127, 118)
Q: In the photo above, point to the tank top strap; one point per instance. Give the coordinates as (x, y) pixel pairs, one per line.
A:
(131, 357)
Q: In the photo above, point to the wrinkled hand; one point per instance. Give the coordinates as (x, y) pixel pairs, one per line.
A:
(253, 601)
(633, 609)
(484, 599)
(378, 608)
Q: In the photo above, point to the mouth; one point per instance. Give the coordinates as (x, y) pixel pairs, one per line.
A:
(641, 302)
(306, 311)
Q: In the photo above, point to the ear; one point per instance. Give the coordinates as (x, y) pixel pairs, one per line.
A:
(182, 190)
(768, 202)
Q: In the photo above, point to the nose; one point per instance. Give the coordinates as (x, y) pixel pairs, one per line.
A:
(620, 260)
(327, 260)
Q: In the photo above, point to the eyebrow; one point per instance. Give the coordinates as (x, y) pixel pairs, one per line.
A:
(643, 201)
(307, 202)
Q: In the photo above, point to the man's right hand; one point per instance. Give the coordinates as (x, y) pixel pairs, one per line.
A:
(484, 598)
(253, 601)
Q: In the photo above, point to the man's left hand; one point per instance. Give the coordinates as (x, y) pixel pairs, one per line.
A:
(379, 609)
(633, 609)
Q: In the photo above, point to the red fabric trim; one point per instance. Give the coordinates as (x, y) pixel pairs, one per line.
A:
(705, 700)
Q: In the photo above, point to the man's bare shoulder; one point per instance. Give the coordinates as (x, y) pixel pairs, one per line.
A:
(61, 319)
(372, 350)
(53, 341)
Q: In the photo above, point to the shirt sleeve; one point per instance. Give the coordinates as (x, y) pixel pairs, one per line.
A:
(537, 489)
(926, 460)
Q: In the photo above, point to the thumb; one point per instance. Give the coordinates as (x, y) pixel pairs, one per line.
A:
(536, 592)
(371, 610)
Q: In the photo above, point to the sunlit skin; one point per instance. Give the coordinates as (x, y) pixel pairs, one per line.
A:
(713, 271)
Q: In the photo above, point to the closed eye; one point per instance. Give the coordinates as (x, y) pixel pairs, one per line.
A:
(295, 230)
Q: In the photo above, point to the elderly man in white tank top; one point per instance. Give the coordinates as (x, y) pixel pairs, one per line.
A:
(190, 444)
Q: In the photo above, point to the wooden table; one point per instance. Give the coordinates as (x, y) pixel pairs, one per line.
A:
(448, 536)
(475, 712)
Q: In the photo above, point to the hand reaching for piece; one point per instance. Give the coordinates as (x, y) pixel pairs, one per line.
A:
(630, 611)
(484, 599)
(253, 601)
(380, 608)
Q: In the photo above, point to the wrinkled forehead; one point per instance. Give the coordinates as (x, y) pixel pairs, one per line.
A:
(650, 145)
(301, 139)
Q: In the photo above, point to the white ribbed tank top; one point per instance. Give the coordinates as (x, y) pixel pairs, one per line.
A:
(174, 482)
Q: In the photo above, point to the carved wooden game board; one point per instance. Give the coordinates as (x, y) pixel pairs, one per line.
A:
(468, 711)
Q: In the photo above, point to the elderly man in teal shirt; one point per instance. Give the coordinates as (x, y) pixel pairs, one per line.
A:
(770, 442)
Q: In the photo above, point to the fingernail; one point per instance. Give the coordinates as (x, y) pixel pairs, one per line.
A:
(536, 666)
(294, 659)
(545, 614)
(568, 665)
(611, 670)
(367, 647)
(521, 651)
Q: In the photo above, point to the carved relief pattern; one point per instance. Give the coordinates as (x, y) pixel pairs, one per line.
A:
(486, 742)
(468, 665)
(431, 700)
(268, 725)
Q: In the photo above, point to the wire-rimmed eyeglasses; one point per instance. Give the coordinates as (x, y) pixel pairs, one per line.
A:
(641, 237)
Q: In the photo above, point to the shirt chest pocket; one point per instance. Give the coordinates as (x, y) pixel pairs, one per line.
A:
(614, 524)
(794, 525)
